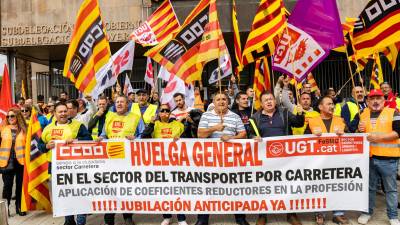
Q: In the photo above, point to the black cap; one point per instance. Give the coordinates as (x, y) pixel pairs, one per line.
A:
(144, 91)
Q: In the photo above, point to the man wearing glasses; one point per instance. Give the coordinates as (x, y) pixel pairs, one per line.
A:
(50, 111)
(68, 130)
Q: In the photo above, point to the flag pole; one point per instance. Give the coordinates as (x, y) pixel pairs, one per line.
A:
(344, 85)
(273, 77)
(220, 80)
(373, 68)
(351, 76)
(356, 60)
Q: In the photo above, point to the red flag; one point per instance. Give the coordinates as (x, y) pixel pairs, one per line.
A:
(6, 99)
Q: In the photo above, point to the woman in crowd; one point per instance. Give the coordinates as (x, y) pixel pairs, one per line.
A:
(26, 112)
(12, 146)
(165, 127)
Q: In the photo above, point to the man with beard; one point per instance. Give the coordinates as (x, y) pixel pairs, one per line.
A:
(392, 101)
(382, 124)
(243, 110)
(349, 111)
(181, 111)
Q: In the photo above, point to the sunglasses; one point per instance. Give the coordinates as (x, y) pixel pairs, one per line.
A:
(24, 110)
(165, 110)
(10, 116)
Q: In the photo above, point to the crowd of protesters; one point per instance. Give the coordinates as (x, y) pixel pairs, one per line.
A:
(230, 115)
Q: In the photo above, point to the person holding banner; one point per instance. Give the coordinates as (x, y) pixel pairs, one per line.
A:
(120, 125)
(327, 122)
(12, 155)
(271, 121)
(144, 110)
(383, 127)
(224, 124)
(165, 127)
(68, 130)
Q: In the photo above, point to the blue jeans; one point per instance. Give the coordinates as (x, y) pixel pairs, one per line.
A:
(80, 219)
(387, 170)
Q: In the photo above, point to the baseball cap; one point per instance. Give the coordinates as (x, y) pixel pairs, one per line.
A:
(375, 92)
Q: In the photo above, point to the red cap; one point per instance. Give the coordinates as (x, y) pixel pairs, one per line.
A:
(375, 92)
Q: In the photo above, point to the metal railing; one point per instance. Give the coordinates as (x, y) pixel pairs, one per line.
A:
(330, 73)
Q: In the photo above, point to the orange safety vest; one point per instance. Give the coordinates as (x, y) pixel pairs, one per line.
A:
(198, 103)
(383, 126)
(317, 125)
(6, 143)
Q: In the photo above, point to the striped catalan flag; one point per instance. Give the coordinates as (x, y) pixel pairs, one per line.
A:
(89, 49)
(348, 27)
(261, 80)
(310, 80)
(160, 26)
(377, 27)
(212, 45)
(236, 40)
(35, 190)
(377, 73)
(374, 82)
(268, 23)
(391, 52)
(187, 52)
(360, 62)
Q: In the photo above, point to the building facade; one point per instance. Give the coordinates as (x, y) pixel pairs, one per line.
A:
(35, 34)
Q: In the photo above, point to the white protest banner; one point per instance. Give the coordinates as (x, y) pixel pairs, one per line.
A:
(194, 176)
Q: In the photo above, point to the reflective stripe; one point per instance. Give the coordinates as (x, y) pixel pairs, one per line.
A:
(4, 158)
(385, 145)
(19, 148)
(254, 127)
(396, 118)
(4, 149)
(377, 132)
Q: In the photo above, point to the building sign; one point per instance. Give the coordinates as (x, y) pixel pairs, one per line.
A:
(59, 34)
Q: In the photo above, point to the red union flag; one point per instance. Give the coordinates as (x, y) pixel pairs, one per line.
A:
(158, 27)
(297, 53)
